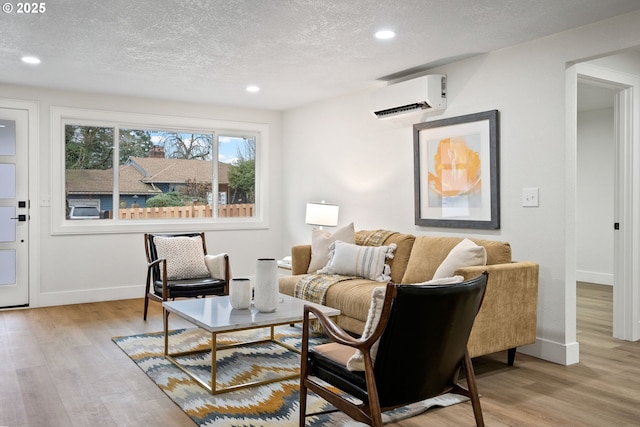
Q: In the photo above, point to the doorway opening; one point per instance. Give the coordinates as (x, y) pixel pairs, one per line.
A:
(595, 189)
(606, 193)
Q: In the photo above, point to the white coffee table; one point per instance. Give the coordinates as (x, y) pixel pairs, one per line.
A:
(216, 316)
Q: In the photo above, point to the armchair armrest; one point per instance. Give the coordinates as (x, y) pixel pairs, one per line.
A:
(154, 263)
(333, 331)
(300, 259)
(163, 276)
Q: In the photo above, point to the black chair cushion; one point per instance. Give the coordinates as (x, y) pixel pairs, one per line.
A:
(190, 288)
(327, 369)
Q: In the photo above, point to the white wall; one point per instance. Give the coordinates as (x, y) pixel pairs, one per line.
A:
(627, 62)
(337, 152)
(85, 268)
(595, 204)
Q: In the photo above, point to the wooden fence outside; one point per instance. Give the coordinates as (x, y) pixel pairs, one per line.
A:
(195, 211)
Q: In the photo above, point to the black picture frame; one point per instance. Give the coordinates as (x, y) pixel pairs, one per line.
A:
(456, 172)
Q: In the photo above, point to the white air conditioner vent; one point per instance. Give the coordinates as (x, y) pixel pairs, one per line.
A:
(411, 96)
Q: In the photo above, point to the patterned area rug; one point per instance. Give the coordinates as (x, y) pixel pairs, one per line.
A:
(274, 404)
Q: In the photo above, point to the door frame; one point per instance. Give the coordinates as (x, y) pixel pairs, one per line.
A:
(626, 273)
(32, 108)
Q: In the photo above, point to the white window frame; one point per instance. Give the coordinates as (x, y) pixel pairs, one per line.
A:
(86, 117)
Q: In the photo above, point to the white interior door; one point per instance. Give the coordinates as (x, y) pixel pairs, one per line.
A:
(14, 208)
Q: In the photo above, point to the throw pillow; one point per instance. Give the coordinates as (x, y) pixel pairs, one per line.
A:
(464, 254)
(443, 281)
(184, 255)
(216, 265)
(369, 262)
(322, 239)
(356, 362)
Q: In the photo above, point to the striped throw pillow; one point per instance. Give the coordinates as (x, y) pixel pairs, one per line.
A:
(369, 262)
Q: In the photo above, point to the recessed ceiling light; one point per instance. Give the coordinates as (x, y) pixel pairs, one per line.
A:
(30, 60)
(253, 88)
(385, 34)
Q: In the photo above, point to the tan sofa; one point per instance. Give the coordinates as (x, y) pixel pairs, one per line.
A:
(507, 319)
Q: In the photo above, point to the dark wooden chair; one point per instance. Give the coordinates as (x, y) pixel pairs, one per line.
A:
(160, 286)
(422, 347)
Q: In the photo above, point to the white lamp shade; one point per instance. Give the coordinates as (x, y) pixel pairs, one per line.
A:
(322, 214)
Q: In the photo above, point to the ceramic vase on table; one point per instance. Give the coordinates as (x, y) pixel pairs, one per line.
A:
(265, 297)
(240, 293)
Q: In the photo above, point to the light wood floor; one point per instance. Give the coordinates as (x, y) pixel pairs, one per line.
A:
(59, 367)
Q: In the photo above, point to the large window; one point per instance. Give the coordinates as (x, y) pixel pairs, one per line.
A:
(144, 173)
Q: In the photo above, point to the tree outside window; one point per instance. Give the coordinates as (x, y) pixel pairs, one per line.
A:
(171, 170)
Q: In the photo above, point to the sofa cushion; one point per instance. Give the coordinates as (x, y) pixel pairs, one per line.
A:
(369, 262)
(322, 239)
(497, 252)
(464, 254)
(426, 256)
(184, 255)
(429, 252)
(287, 284)
(352, 298)
(398, 263)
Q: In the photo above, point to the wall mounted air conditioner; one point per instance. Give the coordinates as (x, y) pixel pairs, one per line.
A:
(411, 96)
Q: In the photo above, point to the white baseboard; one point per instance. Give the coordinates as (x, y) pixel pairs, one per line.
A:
(562, 354)
(594, 277)
(47, 299)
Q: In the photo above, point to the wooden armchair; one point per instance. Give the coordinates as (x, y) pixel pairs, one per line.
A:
(414, 352)
(178, 267)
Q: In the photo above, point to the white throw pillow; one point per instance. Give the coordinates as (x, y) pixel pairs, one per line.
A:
(184, 255)
(443, 281)
(369, 262)
(356, 362)
(216, 265)
(322, 239)
(464, 254)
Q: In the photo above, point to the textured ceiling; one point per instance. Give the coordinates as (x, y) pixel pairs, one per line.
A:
(297, 51)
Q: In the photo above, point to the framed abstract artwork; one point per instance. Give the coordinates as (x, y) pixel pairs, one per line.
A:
(456, 172)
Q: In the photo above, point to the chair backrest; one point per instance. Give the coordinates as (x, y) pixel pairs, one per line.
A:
(152, 252)
(425, 340)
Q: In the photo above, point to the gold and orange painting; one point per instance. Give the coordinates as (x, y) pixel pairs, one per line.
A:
(456, 172)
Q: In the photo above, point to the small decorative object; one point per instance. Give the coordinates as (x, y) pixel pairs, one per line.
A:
(240, 293)
(266, 286)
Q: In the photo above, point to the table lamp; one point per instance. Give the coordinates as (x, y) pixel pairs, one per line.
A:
(322, 214)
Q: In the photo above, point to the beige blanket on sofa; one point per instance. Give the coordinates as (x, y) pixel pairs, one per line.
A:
(373, 237)
(313, 287)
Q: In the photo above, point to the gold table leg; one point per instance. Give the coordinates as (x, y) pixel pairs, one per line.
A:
(212, 386)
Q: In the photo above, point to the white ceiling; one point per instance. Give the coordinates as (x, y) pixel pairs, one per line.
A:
(297, 51)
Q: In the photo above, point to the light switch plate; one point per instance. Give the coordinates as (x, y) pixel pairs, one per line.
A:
(530, 197)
